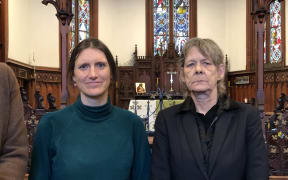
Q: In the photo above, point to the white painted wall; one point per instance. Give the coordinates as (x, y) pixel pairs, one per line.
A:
(211, 20)
(19, 13)
(121, 26)
(235, 34)
(33, 29)
(45, 34)
(225, 23)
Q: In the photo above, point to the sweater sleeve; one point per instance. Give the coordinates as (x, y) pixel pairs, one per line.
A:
(14, 155)
(41, 156)
(141, 161)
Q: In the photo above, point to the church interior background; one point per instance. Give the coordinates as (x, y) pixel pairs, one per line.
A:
(146, 39)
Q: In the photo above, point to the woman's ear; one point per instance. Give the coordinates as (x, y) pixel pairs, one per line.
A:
(221, 71)
(74, 81)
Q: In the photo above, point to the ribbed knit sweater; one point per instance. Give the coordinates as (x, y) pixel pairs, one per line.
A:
(90, 143)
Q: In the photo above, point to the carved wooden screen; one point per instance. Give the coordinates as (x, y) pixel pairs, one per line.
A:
(154, 71)
(277, 142)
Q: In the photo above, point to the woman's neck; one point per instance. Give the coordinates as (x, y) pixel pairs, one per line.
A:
(94, 101)
(204, 101)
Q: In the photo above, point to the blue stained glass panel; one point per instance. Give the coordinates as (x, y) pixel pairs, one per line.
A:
(275, 45)
(84, 19)
(275, 32)
(161, 25)
(72, 39)
(73, 19)
(181, 23)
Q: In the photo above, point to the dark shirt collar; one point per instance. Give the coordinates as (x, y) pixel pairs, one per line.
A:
(224, 104)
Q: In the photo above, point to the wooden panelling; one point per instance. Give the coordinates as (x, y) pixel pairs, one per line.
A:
(45, 80)
(278, 178)
(275, 83)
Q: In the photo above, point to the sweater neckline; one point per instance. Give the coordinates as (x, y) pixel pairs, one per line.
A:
(93, 113)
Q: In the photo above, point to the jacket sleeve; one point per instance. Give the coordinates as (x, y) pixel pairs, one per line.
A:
(14, 155)
(41, 153)
(141, 161)
(257, 160)
(160, 165)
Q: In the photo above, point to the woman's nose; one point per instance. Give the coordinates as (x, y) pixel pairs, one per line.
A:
(198, 68)
(92, 72)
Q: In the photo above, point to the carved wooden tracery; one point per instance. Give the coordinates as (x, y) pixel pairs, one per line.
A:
(148, 69)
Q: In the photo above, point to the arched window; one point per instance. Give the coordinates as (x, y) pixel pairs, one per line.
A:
(84, 23)
(170, 21)
(274, 33)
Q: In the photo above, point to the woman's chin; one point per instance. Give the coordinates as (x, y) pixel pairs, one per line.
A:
(200, 89)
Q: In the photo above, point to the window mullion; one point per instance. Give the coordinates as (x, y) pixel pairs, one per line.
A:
(171, 22)
(283, 38)
(76, 22)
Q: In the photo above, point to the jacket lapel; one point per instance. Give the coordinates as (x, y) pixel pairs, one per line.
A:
(193, 139)
(221, 130)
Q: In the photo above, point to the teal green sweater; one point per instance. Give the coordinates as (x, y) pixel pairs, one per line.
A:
(90, 143)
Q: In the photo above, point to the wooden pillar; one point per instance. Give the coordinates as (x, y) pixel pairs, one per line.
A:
(117, 80)
(259, 13)
(3, 30)
(149, 28)
(260, 66)
(64, 15)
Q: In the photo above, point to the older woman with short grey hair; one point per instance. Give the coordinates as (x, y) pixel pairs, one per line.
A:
(208, 136)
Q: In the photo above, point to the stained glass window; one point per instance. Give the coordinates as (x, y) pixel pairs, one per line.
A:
(80, 24)
(161, 25)
(275, 32)
(180, 25)
(72, 36)
(83, 19)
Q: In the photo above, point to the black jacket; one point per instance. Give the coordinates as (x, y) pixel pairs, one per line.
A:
(238, 151)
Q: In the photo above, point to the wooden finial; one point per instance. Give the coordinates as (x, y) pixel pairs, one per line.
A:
(116, 59)
(226, 62)
(135, 53)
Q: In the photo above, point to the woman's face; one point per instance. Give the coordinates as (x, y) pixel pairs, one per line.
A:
(92, 75)
(200, 74)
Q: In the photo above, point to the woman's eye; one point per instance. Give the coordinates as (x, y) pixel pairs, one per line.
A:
(206, 63)
(100, 65)
(190, 65)
(84, 66)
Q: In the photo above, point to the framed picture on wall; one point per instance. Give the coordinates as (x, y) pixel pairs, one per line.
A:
(140, 87)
